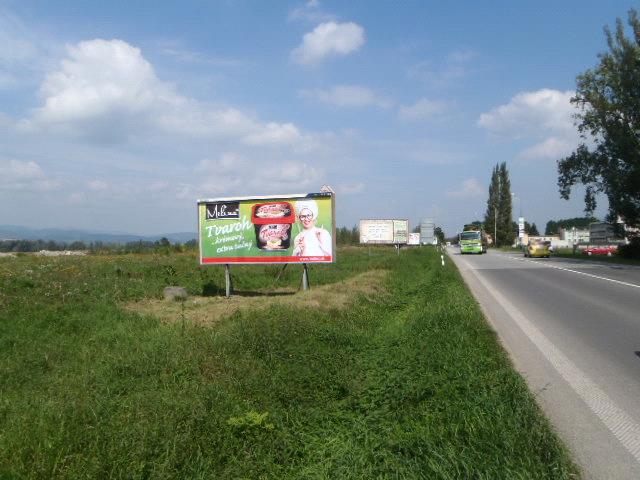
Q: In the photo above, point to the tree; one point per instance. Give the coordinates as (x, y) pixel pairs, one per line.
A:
(533, 230)
(498, 218)
(475, 225)
(553, 226)
(608, 99)
(347, 236)
(490, 218)
(506, 234)
(439, 234)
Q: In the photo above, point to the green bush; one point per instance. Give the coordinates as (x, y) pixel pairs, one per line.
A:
(631, 250)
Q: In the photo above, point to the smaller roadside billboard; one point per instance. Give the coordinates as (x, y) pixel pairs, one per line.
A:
(400, 231)
(520, 228)
(384, 231)
(414, 239)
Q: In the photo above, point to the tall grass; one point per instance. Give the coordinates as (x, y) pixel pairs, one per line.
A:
(411, 384)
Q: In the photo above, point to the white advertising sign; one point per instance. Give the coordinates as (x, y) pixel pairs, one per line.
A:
(384, 231)
(414, 239)
(521, 228)
(376, 231)
(400, 231)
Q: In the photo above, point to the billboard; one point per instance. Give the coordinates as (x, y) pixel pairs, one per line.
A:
(520, 228)
(427, 232)
(298, 228)
(400, 231)
(390, 231)
(414, 239)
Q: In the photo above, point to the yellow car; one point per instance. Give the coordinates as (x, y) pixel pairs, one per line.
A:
(538, 249)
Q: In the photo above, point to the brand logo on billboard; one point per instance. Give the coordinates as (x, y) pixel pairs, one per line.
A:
(223, 210)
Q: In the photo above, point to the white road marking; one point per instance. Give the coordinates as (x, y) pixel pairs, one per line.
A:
(623, 427)
(544, 264)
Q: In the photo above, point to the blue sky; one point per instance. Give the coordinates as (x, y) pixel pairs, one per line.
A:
(118, 116)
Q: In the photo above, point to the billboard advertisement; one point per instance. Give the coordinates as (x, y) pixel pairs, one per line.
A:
(520, 228)
(384, 231)
(414, 239)
(427, 232)
(400, 231)
(298, 228)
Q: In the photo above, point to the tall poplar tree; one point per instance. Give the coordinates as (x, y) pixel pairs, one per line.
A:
(506, 234)
(497, 220)
(492, 204)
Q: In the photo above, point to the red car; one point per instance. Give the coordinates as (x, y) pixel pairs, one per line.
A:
(602, 250)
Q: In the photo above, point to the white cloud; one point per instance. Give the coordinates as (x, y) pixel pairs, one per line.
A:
(552, 148)
(347, 96)
(232, 172)
(274, 134)
(106, 91)
(470, 188)
(543, 116)
(329, 39)
(19, 175)
(103, 89)
(531, 114)
(422, 109)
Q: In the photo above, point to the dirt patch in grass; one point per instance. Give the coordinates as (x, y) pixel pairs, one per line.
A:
(208, 310)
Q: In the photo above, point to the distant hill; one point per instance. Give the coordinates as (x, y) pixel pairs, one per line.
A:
(16, 232)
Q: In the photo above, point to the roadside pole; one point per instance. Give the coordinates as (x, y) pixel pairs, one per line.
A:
(305, 277)
(228, 281)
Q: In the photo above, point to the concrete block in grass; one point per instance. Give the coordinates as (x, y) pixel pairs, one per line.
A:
(175, 293)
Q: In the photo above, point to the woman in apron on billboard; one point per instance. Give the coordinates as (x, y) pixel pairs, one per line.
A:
(312, 241)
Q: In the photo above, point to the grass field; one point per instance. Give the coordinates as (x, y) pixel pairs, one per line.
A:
(400, 379)
(568, 253)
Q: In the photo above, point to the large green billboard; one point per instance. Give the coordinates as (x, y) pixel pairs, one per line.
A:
(274, 229)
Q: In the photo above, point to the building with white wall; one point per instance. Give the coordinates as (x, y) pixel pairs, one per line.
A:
(574, 235)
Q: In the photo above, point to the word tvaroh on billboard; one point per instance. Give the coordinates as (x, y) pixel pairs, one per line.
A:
(298, 228)
(384, 231)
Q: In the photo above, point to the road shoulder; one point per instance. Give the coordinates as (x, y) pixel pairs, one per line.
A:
(592, 444)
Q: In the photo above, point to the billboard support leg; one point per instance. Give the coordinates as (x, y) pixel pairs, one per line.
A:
(305, 277)
(227, 280)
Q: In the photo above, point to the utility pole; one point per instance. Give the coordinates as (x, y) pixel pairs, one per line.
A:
(495, 217)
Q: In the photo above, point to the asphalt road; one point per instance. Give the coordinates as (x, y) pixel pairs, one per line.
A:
(572, 329)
